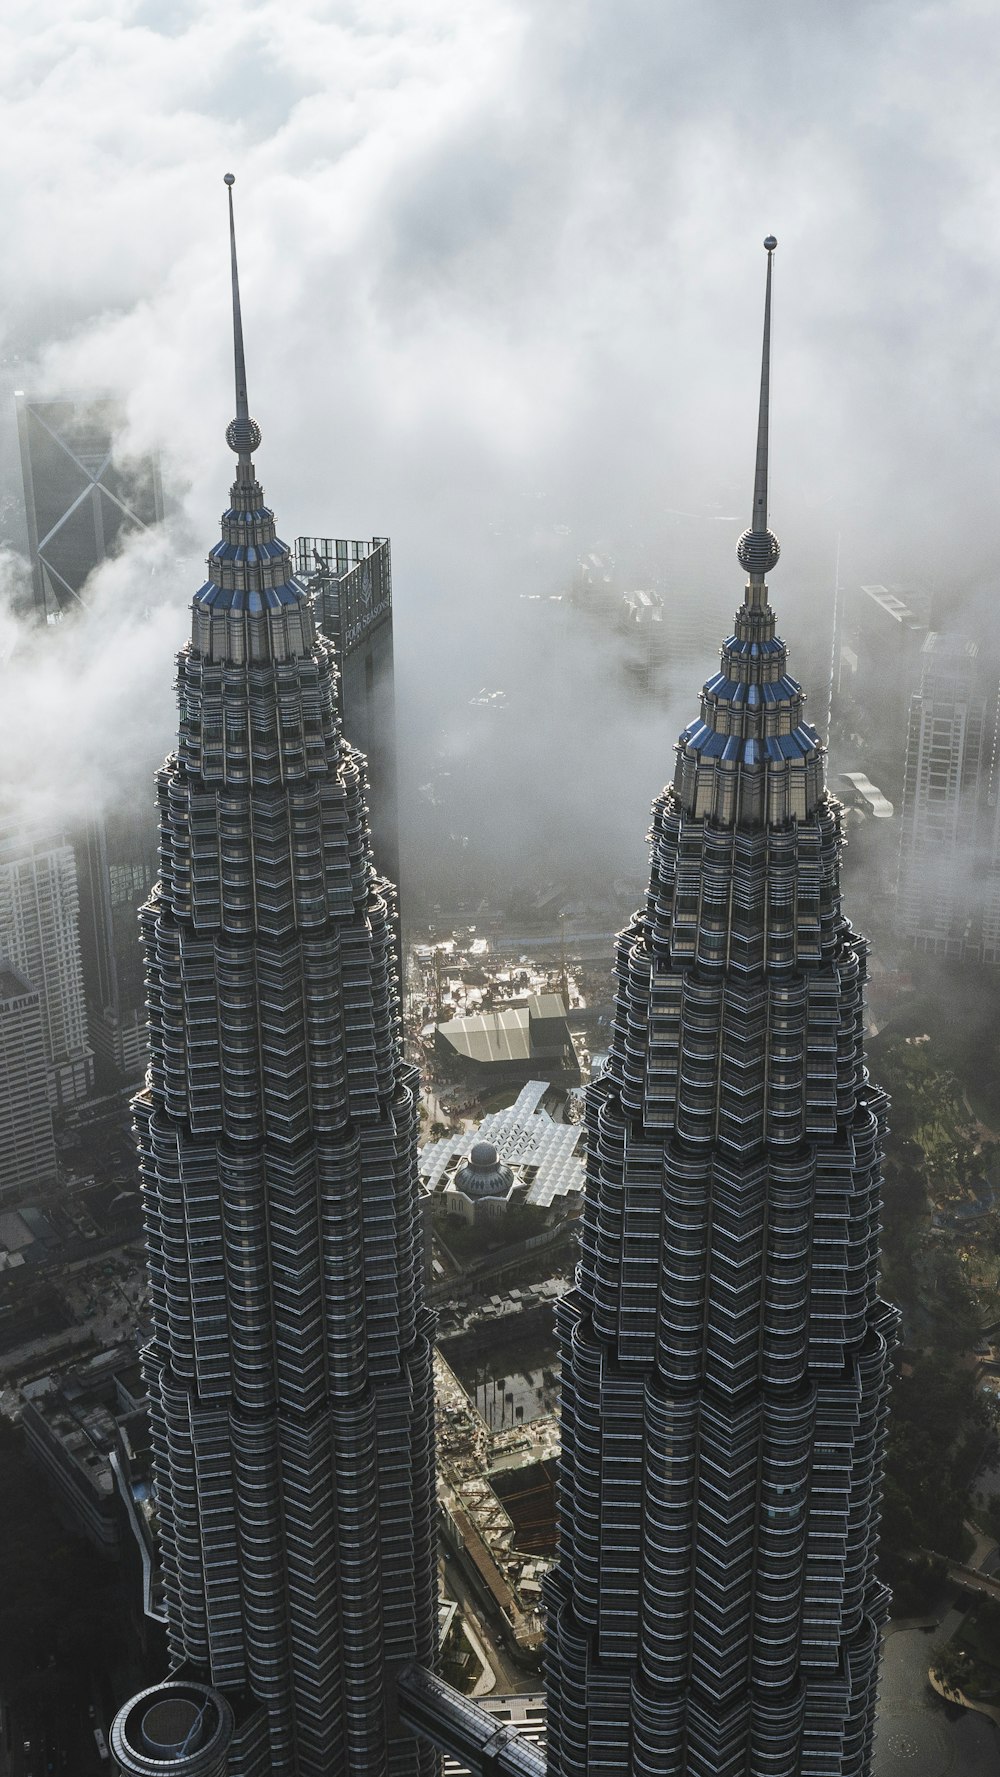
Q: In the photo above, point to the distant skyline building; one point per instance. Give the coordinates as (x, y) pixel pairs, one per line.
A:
(117, 868)
(948, 841)
(289, 1367)
(879, 664)
(715, 1609)
(81, 499)
(647, 644)
(40, 938)
(27, 1147)
(351, 587)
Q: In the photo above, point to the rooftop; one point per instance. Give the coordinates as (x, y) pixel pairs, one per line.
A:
(511, 1034)
(900, 608)
(526, 1138)
(870, 793)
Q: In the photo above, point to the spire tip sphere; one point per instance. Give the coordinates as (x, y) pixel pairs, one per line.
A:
(758, 552)
(243, 436)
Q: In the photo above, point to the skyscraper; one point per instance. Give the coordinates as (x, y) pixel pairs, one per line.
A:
(290, 1363)
(27, 1149)
(117, 860)
(947, 846)
(351, 587)
(80, 499)
(40, 936)
(887, 626)
(715, 1609)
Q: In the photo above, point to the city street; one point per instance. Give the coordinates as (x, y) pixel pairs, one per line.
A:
(510, 1677)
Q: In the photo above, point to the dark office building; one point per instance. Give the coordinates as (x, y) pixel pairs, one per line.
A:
(80, 500)
(715, 1610)
(351, 588)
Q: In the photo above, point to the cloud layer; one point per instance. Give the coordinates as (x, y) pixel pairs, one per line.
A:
(502, 288)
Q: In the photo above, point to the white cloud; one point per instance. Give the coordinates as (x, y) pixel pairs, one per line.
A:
(495, 251)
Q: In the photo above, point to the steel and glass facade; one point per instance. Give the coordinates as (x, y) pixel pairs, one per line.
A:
(289, 1371)
(715, 1609)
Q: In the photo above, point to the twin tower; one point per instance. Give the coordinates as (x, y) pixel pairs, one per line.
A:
(715, 1610)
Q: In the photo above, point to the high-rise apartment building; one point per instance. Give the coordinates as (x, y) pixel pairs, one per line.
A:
(27, 1149)
(715, 1609)
(947, 851)
(289, 1368)
(351, 587)
(40, 937)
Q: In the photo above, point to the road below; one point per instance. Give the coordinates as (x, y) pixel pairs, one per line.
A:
(511, 1678)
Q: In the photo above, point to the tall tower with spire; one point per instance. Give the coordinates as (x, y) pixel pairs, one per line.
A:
(289, 1369)
(715, 1610)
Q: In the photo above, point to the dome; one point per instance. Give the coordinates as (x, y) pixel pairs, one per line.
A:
(482, 1175)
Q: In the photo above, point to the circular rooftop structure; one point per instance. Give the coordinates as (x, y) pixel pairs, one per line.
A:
(176, 1729)
(482, 1174)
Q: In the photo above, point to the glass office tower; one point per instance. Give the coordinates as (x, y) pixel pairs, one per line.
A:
(289, 1370)
(715, 1610)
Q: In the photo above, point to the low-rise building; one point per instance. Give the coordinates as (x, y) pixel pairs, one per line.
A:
(517, 1042)
(74, 1424)
(522, 1154)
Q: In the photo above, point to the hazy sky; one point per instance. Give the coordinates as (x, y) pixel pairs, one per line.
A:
(502, 282)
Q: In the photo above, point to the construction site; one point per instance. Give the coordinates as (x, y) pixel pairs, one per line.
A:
(496, 1491)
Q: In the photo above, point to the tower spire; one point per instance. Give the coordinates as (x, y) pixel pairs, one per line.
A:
(758, 548)
(242, 433)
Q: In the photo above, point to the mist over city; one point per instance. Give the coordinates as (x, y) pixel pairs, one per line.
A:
(501, 301)
(499, 1147)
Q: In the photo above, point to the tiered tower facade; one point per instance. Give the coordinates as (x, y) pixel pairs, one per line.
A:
(715, 1610)
(289, 1370)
